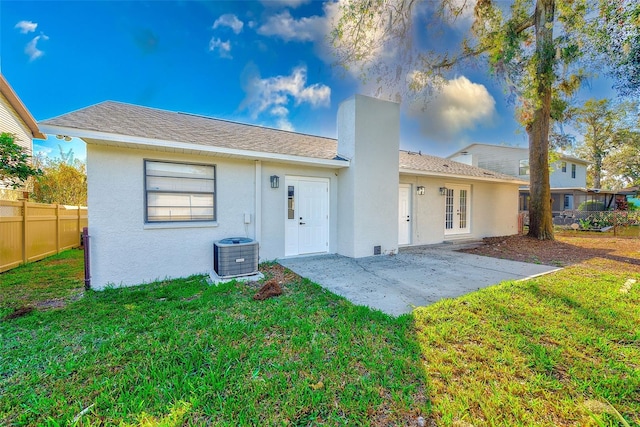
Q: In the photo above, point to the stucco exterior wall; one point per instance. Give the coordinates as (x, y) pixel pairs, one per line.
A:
(274, 203)
(559, 179)
(11, 122)
(368, 136)
(126, 251)
(506, 160)
(494, 209)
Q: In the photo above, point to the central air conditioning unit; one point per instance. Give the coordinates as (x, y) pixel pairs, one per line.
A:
(235, 256)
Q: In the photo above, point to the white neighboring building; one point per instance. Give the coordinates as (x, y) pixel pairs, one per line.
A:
(568, 178)
(163, 186)
(16, 119)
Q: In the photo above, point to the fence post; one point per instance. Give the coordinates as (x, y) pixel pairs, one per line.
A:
(79, 230)
(57, 228)
(24, 231)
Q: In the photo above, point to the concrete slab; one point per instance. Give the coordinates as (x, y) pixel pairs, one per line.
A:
(416, 276)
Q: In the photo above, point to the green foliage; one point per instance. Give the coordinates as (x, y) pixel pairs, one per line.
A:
(15, 168)
(184, 352)
(623, 163)
(61, 182)
(604, 128)
(535, 352)
(617, 40)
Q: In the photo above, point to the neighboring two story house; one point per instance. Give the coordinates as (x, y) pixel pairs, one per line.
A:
(568, 178)
(16, 119)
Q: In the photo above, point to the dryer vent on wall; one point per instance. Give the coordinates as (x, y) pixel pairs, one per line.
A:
(235, 256)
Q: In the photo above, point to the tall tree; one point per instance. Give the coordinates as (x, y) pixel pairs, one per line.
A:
(622, 166)
(61, 182)
(519, 44)
(16, 167)
(603, 128)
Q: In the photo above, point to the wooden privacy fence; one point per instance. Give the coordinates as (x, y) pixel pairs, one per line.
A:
(32, 231)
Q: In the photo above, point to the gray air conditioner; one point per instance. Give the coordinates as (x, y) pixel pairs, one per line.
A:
(235, 256)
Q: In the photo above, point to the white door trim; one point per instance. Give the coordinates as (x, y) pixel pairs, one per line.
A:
(457, 209)
(293, 226)
(405, 217)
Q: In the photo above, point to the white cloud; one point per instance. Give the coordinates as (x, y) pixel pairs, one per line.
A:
(284, 3)
(286, 27)
(461, 105)
(31, 49)
(229, 20)
(223, 48)
(26, 26)
(317, 29)
(273, 95)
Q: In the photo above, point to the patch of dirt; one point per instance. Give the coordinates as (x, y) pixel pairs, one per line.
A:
(567, 249)
(52, 303)
(18, 312)
(270, 289)
(280, 274)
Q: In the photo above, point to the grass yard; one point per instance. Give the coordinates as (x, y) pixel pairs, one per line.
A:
(559, 350)
(187, 353)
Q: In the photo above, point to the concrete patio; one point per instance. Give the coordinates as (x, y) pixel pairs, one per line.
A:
(416, 276)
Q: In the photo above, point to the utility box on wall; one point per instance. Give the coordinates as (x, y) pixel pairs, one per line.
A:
(235, 256)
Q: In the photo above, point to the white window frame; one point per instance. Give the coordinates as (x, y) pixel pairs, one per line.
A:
(148, 191)
(573, 170)
(524, 164)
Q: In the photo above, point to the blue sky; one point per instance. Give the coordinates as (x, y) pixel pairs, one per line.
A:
(265, 63)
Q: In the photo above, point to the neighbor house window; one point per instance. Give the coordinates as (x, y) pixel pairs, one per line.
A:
(179, 192)
(573, 171)
(564, 166)
(524, 167)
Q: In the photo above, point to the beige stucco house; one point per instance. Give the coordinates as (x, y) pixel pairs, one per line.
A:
(163, 186)
(16, 119)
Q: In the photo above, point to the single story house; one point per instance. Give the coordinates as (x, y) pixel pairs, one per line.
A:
(17, 120)
(163, 186)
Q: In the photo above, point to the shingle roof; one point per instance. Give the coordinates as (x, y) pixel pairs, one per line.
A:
(136, 121)
(132, 120)
(427, 163)
(563, 156)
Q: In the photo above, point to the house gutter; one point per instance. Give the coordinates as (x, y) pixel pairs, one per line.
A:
(458, 176)
(105, 138)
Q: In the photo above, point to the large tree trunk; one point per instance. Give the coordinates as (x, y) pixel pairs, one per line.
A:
(597, 171)
(540, 217)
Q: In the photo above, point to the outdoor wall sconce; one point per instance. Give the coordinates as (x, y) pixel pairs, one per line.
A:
(443, 191)
(275, 181)
(420, 190)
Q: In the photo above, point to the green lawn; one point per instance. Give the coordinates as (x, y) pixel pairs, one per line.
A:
(563, 349)
(187, 352)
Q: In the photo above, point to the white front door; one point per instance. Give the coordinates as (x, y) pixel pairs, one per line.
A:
(404, 214)
(306, 216)
(457, 219)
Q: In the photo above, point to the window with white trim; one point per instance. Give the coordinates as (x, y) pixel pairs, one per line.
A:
(564, 166)
(524, 167)
(573, 170)
(176, 192)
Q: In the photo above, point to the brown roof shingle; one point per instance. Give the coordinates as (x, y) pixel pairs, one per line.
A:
(427, 163)
(132, 120)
